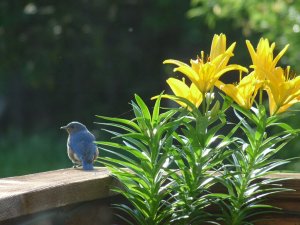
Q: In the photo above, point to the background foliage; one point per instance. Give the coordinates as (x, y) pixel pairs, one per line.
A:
(63, 61)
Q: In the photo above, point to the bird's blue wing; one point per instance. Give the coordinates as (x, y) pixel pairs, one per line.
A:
(83, 146)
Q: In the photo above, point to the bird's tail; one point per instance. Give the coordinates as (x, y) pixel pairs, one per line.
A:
(87, 166)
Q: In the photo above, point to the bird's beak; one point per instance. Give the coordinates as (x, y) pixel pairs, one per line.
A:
(64, 128)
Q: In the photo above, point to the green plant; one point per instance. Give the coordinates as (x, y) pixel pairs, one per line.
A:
(140, 160)
(245, 177)
(169, 163)
(199, 154)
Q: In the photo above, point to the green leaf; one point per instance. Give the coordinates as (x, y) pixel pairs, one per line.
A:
(125, 128)
(252, 117)
(155, 113)
(215, 109)
(122, 121)
(211, 133)
(128, 211)
(144, 109)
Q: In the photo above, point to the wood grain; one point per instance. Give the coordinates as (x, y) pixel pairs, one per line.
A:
(74, 190)
(28, 194)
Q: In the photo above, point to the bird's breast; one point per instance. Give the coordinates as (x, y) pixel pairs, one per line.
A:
(73, 156)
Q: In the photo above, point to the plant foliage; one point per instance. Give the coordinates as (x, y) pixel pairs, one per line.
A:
(170, 162)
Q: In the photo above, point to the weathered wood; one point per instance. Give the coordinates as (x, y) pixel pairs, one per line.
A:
(288, 202)
(73, 197)
(96, 212)
(28, 194)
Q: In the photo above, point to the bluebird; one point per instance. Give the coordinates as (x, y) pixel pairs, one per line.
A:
(80, 145)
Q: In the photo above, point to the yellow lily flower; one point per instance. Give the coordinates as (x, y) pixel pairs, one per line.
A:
(283, 91)
(203, 73)
(263, 59)
(218, 46)
(242, 93)
(181, 89)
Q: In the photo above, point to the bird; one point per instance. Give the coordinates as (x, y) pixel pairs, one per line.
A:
(81, 147)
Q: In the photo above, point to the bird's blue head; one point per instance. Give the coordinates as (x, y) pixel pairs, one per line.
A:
(74, 127)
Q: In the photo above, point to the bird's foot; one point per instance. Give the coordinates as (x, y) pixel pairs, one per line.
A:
(76, 165)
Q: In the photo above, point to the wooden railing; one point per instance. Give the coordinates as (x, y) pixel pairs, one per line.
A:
(68, 196)
(73, 197)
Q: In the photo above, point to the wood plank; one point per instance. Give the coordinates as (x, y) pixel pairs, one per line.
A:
(280, 220)
(292, 182)
(25, 195)
(95, 212)
(28, 194)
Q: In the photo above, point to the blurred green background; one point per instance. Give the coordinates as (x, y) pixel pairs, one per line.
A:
(70, 60)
